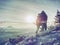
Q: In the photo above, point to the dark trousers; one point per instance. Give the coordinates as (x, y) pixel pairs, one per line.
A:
(44, 26)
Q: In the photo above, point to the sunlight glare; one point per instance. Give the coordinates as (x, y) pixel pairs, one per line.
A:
(30, 19)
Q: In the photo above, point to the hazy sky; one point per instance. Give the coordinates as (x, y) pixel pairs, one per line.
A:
(17, 10)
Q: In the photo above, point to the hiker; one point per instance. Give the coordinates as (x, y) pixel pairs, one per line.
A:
(41, 21)
(57, 20)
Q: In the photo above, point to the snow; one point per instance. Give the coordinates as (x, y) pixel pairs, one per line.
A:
(48, 37)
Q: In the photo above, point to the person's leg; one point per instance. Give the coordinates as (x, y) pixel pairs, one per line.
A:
(45, 26)
(42, 27)
(37, 28)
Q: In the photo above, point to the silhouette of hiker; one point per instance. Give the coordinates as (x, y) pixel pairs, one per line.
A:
(41, 21)
(57, 20)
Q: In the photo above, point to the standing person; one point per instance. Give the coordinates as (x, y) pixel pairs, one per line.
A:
(57, 20)
(41, 21)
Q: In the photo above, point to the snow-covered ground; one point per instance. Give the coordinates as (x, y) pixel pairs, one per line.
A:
(49, 37)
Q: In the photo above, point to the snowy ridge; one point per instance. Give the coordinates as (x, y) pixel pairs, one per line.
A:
(49, 37)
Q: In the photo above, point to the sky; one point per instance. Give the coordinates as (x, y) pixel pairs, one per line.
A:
(18, 10)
